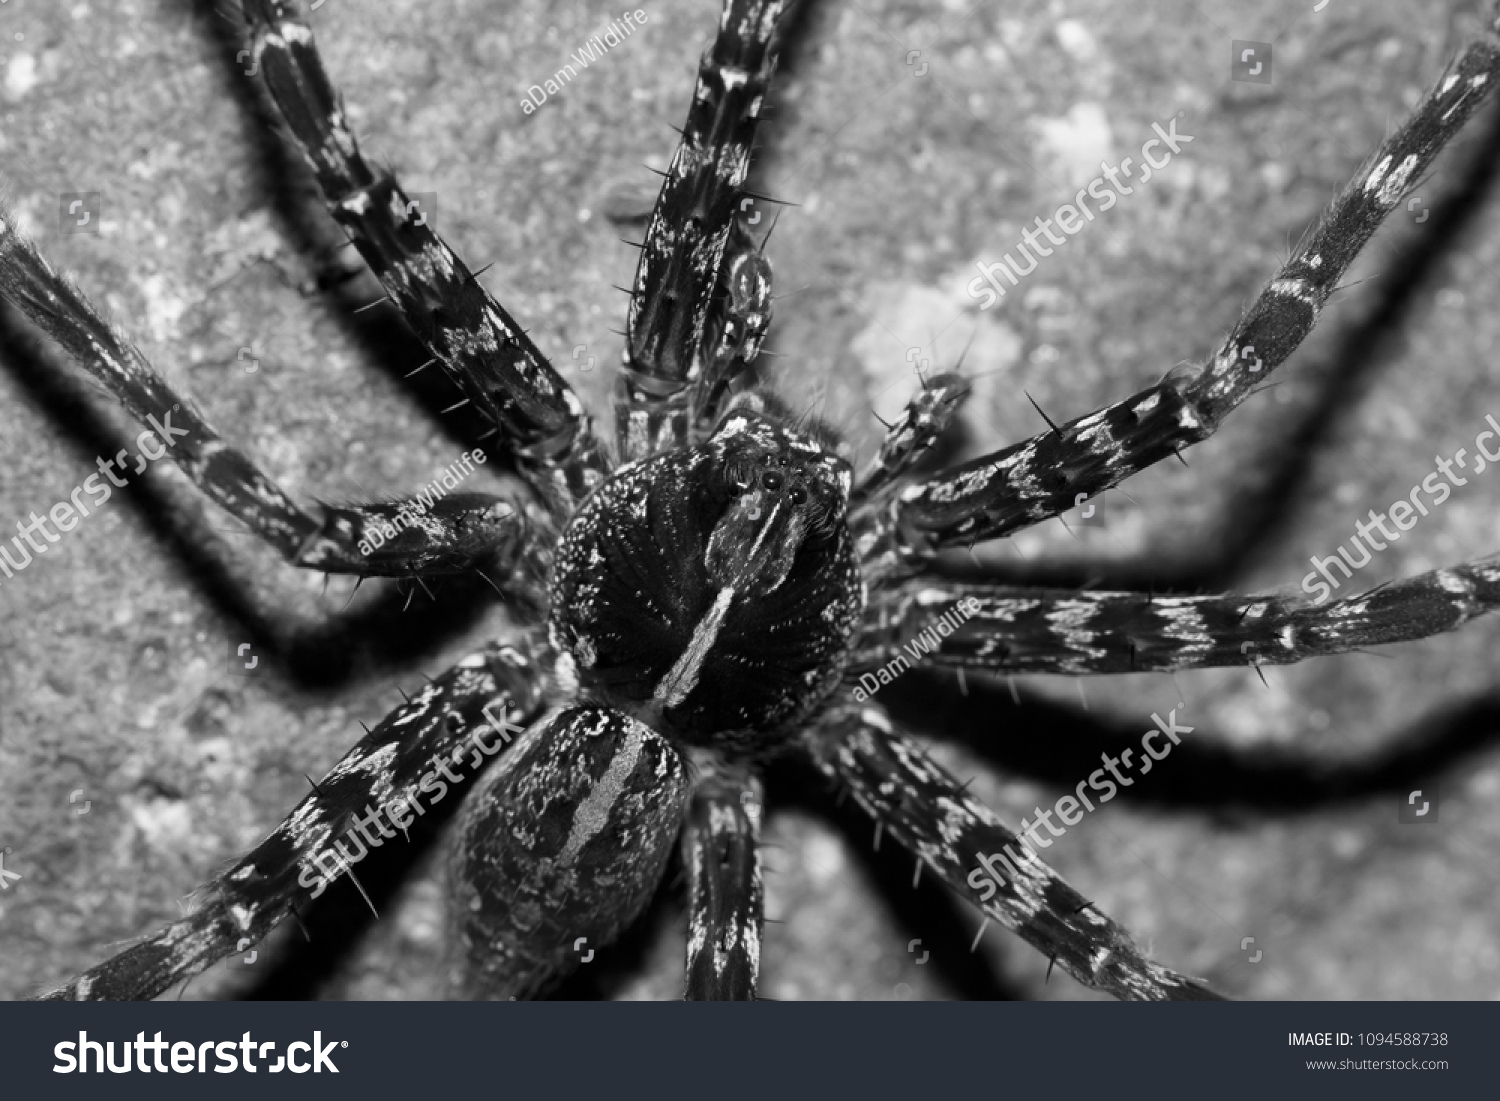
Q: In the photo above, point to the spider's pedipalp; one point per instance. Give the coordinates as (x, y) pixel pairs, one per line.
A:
(1018, 630)
(494, 362)
(970, 850)
(444, 735)
(926, 417)
(679, 271)
(737, 325)
(420, 538)
(726, 899)
(1020, 485)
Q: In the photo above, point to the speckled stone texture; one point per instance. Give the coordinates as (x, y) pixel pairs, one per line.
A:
(918, 137)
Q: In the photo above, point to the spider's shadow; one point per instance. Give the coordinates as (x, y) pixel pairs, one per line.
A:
(1056, 745)
(393, 631)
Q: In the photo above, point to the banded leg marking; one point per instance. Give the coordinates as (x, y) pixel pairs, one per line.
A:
(405, 765)
(487, 354)
(1016, 630)
(964, 842)
(726, 898)
(453, 534)
(679, 266)
(1021, 485)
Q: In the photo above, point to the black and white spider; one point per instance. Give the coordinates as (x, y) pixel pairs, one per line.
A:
(1086, 921)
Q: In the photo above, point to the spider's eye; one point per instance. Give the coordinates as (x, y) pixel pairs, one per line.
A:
(771, 480)
(797, 495)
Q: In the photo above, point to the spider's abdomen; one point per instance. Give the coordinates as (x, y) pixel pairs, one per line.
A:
(713, 590)
(561, 847)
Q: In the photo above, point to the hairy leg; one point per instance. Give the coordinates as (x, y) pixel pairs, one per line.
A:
(965, 844)
(1020, 485)
(489, 356)
(1018, 630)
(401, 767)
(679, 271)
(721, 850)
(454, 534)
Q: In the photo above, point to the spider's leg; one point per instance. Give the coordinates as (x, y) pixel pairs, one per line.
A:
(562, 846)
(964, 842)
(679, 270)
(392, 539)
(1018, 630)
(489, 356)
(721, 851)
(737, 326)
(397, 772)
(1021, 485)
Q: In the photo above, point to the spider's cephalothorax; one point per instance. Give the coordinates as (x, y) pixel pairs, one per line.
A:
(713, 589)
(706, 600)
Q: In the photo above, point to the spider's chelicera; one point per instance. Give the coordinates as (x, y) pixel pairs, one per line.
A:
(707, 593)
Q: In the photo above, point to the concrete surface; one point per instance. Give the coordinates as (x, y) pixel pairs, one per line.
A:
(1278, 820)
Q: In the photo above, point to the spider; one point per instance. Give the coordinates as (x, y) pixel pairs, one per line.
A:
(856, 566)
